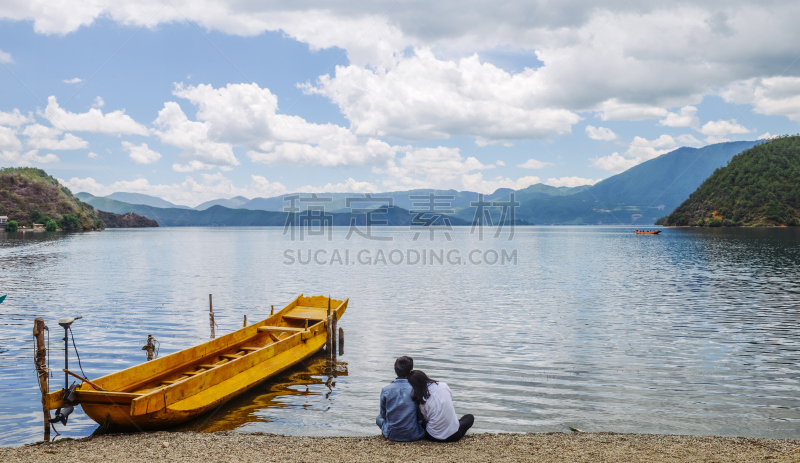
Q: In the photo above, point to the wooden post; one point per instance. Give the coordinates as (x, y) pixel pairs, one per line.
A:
(328, 345)
(272, 310)
(40, 360)
(341, 341)
(334, 332)
(245, 321)
(211, 315)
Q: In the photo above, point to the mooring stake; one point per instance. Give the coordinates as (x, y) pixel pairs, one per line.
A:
(40, 360)
(211, 315)
(341, 341)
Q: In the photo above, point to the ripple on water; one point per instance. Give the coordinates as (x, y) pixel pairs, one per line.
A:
(690, 332)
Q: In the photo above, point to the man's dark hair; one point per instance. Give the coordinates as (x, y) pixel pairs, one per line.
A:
(403, 366)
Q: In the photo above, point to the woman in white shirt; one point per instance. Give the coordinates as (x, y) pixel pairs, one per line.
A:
(435, 401)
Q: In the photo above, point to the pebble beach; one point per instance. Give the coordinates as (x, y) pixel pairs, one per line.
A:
(538, 447)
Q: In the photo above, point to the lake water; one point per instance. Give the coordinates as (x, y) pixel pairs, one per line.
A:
(691, 332)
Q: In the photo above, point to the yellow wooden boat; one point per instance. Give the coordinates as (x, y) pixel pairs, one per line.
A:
(178, 387)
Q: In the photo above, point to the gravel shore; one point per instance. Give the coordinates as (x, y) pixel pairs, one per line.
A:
(544, 447)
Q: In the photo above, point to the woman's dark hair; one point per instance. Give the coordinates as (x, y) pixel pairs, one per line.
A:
(419, 382)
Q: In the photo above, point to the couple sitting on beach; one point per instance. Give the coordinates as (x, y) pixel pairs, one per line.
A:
(414, 406)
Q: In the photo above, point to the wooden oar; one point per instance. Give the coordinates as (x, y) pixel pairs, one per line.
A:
(84, 379)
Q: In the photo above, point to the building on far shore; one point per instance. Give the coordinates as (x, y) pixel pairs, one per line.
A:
(38, 227)
(3, 219)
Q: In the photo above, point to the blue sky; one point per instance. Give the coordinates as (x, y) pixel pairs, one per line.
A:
(194, 101)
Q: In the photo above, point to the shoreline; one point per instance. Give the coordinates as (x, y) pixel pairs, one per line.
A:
(533, 447)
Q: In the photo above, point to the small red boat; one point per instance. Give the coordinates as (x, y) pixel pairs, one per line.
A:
(647, 232)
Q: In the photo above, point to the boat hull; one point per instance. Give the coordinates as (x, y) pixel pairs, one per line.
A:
(184, 385)
(118, 415)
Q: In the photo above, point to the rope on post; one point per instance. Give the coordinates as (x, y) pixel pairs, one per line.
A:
(40, 360)
(151, 348)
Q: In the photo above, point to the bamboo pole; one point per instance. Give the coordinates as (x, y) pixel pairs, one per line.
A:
(341, 341)
(40, 360)
(84, 379)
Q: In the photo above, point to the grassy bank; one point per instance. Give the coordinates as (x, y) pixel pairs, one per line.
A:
(543, 447)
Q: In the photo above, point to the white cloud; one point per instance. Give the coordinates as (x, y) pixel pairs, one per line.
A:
(113, 123)
(475, 182)
(600, 133)
(428, 168)
(426, 97)
(68, 142)
(640, 150)
(74, 80)
(713, 139)
(686, 118)
(615, 110)
(246, 114)
(534, 164)
(93, 155)
(614, 162)
(768, 136)
(98, 102)
(647, 149)
(30, 158)
(9, 140)
(15, 118)
(687, 139)
(650, 54)
(570, 181)
(43, 131)
(500, 163)
(174, 128)
(349, 186)
(722, 128)
(141, 154)
(43, 137)
(191, 166)
(5, 57)
(770, 96)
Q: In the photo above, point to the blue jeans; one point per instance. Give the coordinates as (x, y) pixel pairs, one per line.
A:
(379, 421)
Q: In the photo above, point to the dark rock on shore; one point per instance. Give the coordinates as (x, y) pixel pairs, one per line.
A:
(129, 220)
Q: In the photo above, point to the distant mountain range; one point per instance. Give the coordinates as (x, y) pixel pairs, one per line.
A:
(139, 198)
(224, 216)
(640, 195)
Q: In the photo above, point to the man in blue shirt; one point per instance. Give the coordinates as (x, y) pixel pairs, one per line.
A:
(399, 420)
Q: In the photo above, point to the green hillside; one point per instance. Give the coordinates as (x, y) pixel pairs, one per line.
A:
(759, 187)
(29, 195)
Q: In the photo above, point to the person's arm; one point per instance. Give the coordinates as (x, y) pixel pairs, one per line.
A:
(383, 405)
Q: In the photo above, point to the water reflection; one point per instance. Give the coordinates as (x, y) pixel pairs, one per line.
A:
(309, 387)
